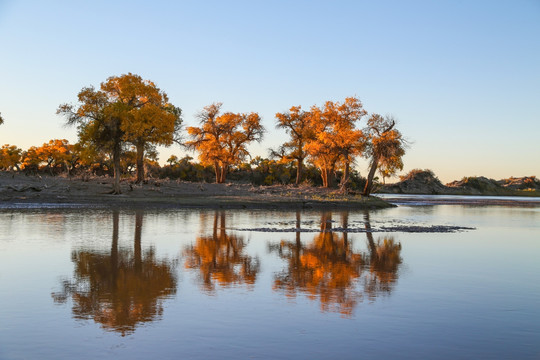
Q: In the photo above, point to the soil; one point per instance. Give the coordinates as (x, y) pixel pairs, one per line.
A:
(22, 190)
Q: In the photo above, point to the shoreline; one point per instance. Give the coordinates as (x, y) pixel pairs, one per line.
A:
(443, 199)
(21, 191)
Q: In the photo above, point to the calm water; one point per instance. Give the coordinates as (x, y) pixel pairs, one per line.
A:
(90, 284)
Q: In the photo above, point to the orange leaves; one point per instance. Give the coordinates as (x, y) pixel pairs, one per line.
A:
(222, 140)
(10, 157)
(386, 148)
(126, 109)
(56, 154)
(336, 140)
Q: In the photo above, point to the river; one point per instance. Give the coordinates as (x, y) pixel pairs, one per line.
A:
(429, 281)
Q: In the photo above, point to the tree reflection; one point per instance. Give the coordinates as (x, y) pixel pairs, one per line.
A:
(384, 260)
(220, 257)
(120, 289)
(331, 270)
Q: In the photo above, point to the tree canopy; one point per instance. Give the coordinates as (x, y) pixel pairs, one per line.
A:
(385, 148)
(222, 140)
(126, 109)
(337, 140)
(297, 124)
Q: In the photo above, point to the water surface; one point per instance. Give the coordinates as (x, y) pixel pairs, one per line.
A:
(127, 284)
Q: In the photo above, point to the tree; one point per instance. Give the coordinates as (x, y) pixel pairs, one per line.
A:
(55, 156)
(386, 147)
(350, 142)
(10, 157)
(221, 140)
(337, 141)
(98, 117)
(125, 109)
(172, 160)
(153, 122)
(296, 123)
(1, 119)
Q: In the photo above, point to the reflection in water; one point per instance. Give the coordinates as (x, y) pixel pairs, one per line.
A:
(220, 257)
(120, 289)
(329, 269)
(384, 260)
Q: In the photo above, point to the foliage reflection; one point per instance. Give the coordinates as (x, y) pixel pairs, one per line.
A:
(120, 289)
(220, 257)
(331, 270)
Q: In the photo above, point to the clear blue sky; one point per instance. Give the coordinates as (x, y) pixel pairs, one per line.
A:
(461, 77)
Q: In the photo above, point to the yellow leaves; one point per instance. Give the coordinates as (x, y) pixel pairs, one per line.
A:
(334, 139)
(10, 157)
(55, 153)
(221, 140)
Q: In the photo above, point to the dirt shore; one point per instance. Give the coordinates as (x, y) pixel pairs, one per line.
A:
(21, 190)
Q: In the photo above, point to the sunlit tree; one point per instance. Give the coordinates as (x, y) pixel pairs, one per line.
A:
(297, 124)
(10, 157)
(386, 147)
(99, 117)
(152, 119)
(125, 109)
(222, 140)
(53, 156)
(172, 160)
(337, 141)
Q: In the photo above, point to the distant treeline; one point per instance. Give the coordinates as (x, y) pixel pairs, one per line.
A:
(59, 157)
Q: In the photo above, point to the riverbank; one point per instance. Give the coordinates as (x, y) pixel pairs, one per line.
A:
(20, 190)
(424, 182)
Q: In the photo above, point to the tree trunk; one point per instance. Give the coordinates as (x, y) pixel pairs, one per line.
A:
(140, 163)
(223, 175)
(344, 185)
(217, 170)
(117, 170)
(330, 177)
(369, 182)
(299, 171)
(324, 176)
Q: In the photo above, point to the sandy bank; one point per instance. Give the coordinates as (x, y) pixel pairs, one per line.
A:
(18, 189)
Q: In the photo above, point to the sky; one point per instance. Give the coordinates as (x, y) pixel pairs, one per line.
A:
(461, 77)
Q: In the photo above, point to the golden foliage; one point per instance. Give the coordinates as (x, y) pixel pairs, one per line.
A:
(336, 139)
(222, 140)
(10, 157)
(54, 155)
